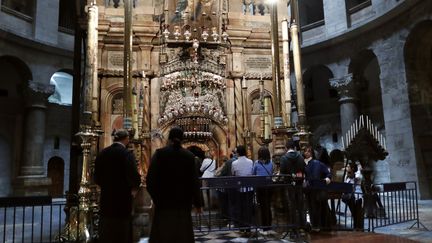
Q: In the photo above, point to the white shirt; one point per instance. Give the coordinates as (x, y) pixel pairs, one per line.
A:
(356, 181)
(211, 168)
(307, 160)
(242, 167)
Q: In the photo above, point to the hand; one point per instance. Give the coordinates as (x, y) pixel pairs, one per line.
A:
(327, 180)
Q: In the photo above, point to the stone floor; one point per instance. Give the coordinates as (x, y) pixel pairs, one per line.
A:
(399, 233)
(419, 234)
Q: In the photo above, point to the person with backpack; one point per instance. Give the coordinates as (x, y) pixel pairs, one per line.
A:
(292, 166)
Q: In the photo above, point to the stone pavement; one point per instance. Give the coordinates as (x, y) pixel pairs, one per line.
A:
(399, 233)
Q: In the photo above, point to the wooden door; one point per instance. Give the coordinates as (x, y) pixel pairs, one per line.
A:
(56, 173)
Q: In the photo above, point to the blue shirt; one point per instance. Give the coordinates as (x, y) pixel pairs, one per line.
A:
(262, 169)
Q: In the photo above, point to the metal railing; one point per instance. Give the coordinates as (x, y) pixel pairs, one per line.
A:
(290, 201)
(392, 203)
(236, 203)
(31, 219)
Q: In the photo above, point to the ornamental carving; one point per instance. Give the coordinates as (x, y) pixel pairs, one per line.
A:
(37, 94)
(345, 86)
(193, 85)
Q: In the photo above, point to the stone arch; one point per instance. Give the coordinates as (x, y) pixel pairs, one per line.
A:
(255, 125)
(418, 65)
(316, 80)
(107, 119)
(14, 80)
(220, 137)
(25, 72)
(217, 143)
(366, 72)
(15, 76)
(321, 104)
(56, 174)
(63, 82)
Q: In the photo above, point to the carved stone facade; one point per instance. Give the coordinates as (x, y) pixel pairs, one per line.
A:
(198, 85)
(367, 62)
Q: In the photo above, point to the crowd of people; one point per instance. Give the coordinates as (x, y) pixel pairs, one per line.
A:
(308, 169)
(174, 186)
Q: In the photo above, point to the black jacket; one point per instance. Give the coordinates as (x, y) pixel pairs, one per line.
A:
(292, 163)
(172, 179)
(116, 174)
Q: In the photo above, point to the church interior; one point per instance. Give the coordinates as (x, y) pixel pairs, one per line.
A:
(238, 72)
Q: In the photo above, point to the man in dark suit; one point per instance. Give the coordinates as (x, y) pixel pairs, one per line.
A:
(173, 184)
(116, 174)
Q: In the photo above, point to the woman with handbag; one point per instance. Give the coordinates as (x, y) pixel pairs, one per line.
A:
(208, 168)
(264, 167)
(353, 176)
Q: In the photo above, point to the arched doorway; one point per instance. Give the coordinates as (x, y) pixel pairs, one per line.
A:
(366, 74)
(14, 79)
(418, 65)
(56, 174)
(322, 108)
(63, 88)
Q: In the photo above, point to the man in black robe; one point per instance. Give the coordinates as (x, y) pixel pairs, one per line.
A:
(173, 184)
(117, 175)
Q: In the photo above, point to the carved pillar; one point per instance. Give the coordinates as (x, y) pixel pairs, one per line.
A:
(237, 74)
(145, 131)
(278, 122)
(31, 179)
(127, 66)
(238, 104)
(348, 108)
(286, 87)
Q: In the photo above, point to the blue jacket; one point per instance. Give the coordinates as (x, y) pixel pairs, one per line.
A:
(316, 170)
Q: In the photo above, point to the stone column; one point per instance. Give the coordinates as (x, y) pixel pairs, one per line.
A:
(348, 108)
(286, 87)
(127, 66)
(32, 179)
